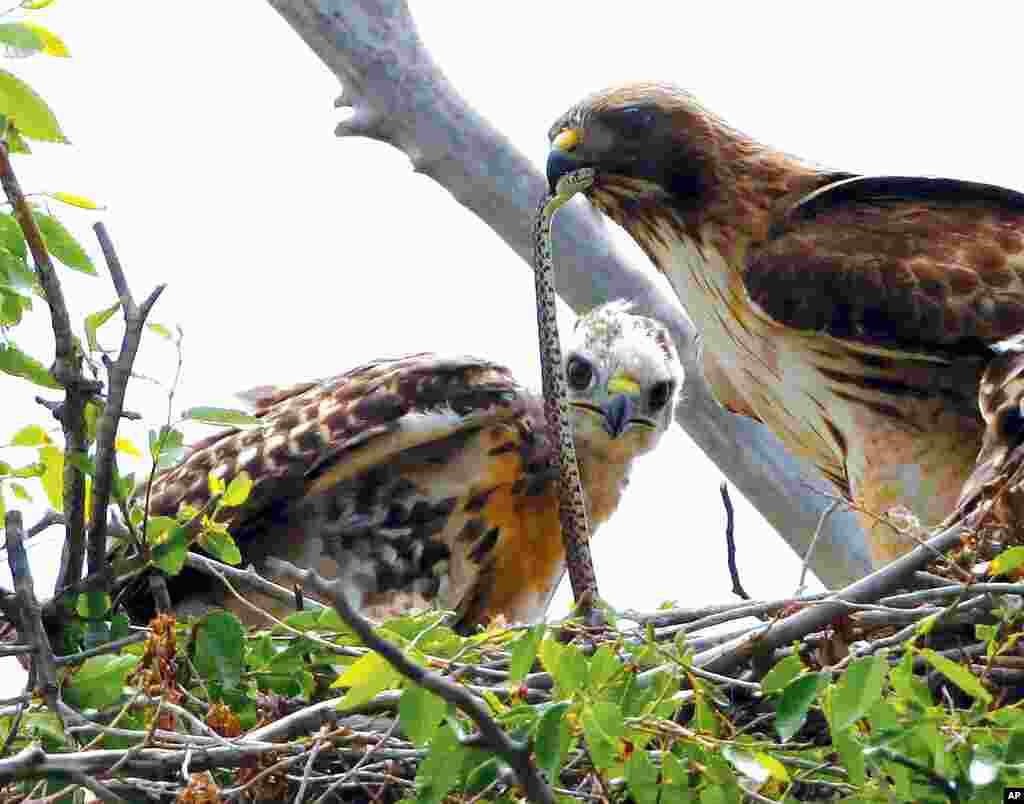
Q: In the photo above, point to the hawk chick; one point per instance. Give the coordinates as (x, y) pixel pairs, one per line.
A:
(429, 481)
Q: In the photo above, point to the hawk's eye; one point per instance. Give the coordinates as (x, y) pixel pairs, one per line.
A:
(659, 396)
(633, 122)
(579, 373)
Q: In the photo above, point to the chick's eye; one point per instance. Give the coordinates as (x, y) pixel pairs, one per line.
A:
(579, 373)
(634, 121)
(659, 396)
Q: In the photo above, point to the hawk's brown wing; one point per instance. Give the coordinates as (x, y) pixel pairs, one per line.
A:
(414, 467)
(914, 263)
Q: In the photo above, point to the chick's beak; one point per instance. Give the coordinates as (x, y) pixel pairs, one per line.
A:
(619, 409)
(617, 414)
(562, 158)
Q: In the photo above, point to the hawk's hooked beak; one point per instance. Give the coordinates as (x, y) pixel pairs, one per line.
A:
(562, 157)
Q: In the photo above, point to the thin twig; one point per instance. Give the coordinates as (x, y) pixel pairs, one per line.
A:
(16, 725)
(815, 618)
(48, 520)
(118, 373)
(515, 753)
(334, 786)
(802, 583)
(250, 578)
(730, 543)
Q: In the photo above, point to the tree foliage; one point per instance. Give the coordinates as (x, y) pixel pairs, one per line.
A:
(911, 697)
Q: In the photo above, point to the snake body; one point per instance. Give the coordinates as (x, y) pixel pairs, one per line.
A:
(572, 506)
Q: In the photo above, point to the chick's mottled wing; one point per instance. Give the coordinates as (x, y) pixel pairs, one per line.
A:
(399, 469)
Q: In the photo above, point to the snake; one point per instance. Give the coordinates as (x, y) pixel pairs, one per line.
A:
(572, 509)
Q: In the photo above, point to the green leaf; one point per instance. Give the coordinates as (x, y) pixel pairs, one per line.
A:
(120, 626)
(31, 435)
(170, 553)
(747, 764)
(238, 490)
(572, 669)
(858, 690)
(907, 685)
(642, 778)
(675, 781)
(796, 699)
(62, 244)
(15, 362)
(53, 45)
(1007, 561)
(778, 678)
(166, 448)
(602, 727)
(524, 652)
(99, 682)
(96, 320)
(157, 527)
(420, 712)
(73, 200)
(439, 771)
(53, 475)
(220, 544)
(27, 110)
(127, 447)
(220, 649)
(20, 492)
(11, 236)
(551, 729)
(222, 416)
(851, 754)
(93, 605)
(21, 37)
(160, 330)
(366, 677)
(35, 5)
(16, 275)
(10, 307)
(958, 674)
(604, 666)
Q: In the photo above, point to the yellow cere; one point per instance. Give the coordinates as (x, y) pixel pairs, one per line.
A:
(566, 140)
(623, 384)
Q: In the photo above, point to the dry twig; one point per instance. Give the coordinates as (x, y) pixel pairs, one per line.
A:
(515, 753)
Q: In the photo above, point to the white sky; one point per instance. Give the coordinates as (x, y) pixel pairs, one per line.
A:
(207, 131)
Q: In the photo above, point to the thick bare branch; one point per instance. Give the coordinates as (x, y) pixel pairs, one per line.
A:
(398, 94)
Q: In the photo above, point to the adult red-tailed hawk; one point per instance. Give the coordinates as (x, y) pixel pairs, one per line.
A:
(852, 315)
(433, 475)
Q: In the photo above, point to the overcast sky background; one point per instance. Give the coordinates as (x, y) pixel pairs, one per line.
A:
(207, 131)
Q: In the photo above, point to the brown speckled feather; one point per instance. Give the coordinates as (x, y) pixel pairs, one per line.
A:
(896, 261)
(383, 459)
